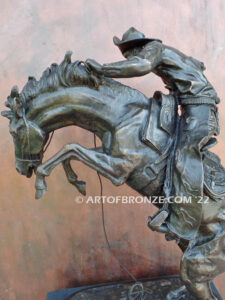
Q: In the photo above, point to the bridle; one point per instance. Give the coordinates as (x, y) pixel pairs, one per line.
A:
(32, 157)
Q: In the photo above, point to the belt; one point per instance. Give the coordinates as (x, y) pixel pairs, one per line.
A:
(197, 101)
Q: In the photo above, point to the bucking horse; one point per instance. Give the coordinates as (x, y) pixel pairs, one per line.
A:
(136, 134)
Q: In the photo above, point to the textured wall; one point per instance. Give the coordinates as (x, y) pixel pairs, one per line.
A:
(55, 243)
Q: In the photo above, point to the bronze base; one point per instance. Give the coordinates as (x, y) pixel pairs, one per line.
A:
(154, 289)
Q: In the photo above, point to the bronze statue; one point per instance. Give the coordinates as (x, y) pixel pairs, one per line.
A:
(145, 143)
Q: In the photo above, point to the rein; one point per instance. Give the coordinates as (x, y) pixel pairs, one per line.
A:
(136, 290)
(49, 141)
(36, 158)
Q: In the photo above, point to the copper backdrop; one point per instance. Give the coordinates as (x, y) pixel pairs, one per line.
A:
(55, 243)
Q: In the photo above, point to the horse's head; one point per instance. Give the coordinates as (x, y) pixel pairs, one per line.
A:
(29, 141)
(45, 105)
(28, 138)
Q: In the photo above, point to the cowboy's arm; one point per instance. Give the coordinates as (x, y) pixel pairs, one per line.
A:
(138, 65)
(128, 68)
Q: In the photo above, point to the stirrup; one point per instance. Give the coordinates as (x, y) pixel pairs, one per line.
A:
(157, 220)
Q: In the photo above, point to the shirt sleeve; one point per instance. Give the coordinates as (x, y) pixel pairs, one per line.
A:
(133, 67)
(152, 52)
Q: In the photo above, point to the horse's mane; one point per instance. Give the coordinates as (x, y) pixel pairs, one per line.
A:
(66, 74)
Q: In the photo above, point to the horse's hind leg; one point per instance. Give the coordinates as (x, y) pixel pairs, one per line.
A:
(200, 264)
(201, 290)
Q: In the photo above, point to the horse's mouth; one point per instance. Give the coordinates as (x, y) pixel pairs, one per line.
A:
(29, 172)
(26, 168)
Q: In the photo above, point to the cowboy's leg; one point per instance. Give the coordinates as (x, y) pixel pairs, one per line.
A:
(200, 264)
(188, 170)
(188, 181)
(188, 177)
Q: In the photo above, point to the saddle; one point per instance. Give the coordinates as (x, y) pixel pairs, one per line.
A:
(161, 122)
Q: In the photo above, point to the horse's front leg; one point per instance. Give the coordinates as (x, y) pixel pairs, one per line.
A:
(114, 168)
(72, 177)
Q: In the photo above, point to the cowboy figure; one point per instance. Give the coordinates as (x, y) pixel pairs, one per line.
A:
(183, 76)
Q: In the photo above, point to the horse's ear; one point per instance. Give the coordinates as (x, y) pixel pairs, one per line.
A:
(7, 114)
(14, 102)
(67, 57)
(14, 92)
(17, 107)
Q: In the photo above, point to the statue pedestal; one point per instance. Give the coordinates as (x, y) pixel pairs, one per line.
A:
(156, 289)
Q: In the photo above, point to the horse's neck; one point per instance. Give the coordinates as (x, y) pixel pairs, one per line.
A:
(71, 106)
(95, 110)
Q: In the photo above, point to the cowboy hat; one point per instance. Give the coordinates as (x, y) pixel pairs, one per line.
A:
(132, 38)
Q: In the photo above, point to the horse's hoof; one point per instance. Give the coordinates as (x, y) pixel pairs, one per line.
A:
(81, 186)
(39, 193)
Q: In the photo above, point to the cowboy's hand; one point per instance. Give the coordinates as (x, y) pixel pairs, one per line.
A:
(94, 65)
